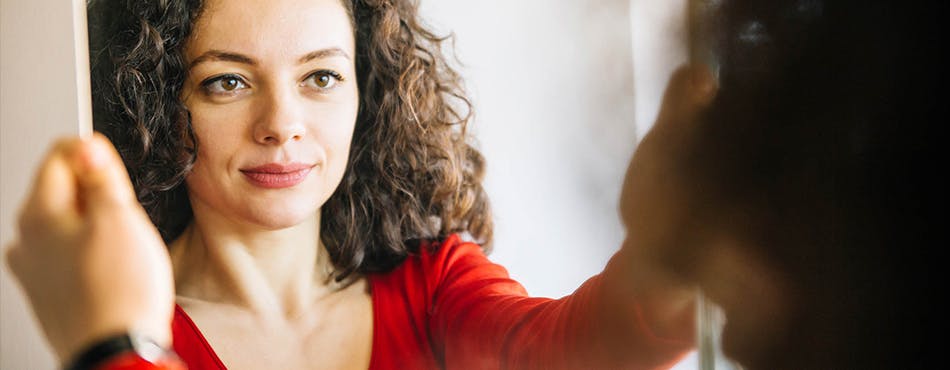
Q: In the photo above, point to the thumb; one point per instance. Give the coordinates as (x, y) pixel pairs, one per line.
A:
(103, 181)
(690, 90)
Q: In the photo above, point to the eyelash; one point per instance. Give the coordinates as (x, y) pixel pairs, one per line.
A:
(208, 84)
(326, 72)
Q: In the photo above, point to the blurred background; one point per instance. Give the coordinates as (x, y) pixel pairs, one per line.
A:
(562, 91)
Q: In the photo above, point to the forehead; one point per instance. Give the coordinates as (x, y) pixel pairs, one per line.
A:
(271, 28)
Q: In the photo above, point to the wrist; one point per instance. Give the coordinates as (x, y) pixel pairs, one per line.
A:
(664, 300)
(79, 338)
(127, 350)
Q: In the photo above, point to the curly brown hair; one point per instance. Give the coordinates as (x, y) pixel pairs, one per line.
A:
(412, 172)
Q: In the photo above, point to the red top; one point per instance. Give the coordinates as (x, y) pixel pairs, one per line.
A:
(451, 308)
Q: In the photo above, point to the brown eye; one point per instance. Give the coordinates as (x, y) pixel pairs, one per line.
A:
(323, 80)
(224, 84)
(230, 84)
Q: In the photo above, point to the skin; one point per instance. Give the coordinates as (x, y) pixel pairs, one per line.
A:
(270, 82)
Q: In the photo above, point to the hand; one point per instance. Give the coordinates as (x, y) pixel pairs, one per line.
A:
(88, 258)
(656, 203)
(656, 200)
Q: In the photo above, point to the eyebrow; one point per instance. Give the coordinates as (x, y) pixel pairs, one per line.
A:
(323, 54)
(219, 55)
(226, 56)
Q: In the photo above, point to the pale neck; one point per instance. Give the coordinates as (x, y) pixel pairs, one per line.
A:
(275, 273)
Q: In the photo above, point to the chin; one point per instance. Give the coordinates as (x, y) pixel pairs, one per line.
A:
(278, 223)
(278, 217)
(265, 210)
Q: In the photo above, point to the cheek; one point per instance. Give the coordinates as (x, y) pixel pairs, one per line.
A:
(208, 162)
(336, 134)
(218, 130)
(339, 146)
(217, 140)
(205, 177)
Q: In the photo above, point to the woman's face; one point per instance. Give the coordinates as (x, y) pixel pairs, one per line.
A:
(272, 92)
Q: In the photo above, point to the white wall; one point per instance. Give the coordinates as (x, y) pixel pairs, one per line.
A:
(554, 97)
(37, 104)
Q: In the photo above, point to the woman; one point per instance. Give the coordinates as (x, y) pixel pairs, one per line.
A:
(306, 163)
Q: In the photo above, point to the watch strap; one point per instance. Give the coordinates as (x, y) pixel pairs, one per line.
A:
(125, 350)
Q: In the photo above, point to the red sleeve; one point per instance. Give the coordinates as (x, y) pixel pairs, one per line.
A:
(479, 318)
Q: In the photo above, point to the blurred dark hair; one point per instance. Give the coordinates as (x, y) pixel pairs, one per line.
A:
(820, 142)
(412, 173)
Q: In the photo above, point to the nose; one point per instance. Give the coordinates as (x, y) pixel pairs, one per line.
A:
(281, 119)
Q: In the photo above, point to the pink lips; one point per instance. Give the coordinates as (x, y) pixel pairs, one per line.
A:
(277, 176)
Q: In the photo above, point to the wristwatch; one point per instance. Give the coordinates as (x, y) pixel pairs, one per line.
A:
(127, 351)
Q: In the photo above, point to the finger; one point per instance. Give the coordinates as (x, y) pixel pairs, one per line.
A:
(53, 200)
(688, 93)
(13, 257)
(103, 180)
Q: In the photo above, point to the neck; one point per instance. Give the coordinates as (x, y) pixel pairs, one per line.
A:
(275, 273)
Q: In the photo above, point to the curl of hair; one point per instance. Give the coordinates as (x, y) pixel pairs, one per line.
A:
(138, 70)
(411, 174)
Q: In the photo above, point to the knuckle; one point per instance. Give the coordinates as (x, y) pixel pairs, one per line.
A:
(60, 148)
(34, 215)
(14, 258)
(64, 144)
(27, 219)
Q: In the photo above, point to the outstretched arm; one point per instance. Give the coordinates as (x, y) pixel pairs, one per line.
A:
(637, 314)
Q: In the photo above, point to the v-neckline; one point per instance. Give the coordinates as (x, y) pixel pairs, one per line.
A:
(371, 281)
(179, 311)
